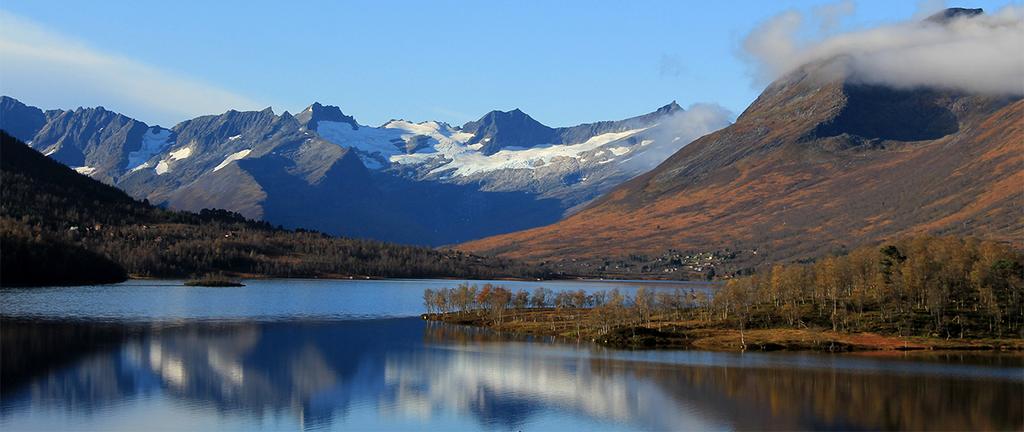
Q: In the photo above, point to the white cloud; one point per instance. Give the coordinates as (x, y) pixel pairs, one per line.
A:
(678, 130)
(44, 68)
(984, 53)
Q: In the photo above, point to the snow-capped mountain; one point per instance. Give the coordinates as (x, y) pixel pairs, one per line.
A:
(427, 183)
(510, 151)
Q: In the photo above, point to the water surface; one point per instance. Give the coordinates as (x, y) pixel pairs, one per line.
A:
(266, 299)
(154, 364)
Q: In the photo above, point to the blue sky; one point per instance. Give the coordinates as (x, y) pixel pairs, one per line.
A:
(563, 62)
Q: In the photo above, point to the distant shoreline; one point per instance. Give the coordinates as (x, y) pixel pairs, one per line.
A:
(565, 279)
(357, 278)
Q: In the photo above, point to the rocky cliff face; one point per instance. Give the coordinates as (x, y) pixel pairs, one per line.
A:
(94, 141)
(24, 121)
(500, 129)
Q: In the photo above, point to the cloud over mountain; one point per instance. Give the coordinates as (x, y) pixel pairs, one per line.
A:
(679, 129)
(980, 53)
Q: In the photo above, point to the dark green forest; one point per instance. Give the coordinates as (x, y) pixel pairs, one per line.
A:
(60, 227)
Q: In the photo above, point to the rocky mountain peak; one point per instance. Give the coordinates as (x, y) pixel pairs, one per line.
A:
(20, 120)
(949, 14)
(514, 117)
(822, 99)
(317, 112)
(671, 108)
(499, 129)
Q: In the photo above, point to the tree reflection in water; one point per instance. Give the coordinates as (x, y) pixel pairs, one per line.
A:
(404, 372)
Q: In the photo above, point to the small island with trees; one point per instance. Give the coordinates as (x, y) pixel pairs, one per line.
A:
(920, 293)
(214, 281)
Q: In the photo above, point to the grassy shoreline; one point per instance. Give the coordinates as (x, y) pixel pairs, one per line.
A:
(662, 332)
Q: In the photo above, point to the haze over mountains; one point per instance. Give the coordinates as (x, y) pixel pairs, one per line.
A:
(422, 183)
(824, 160)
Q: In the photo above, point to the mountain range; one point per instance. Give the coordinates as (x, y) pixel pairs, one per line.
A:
(420, 183)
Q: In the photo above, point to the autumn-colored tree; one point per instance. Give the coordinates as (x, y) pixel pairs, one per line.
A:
(540, 297)
(578, 299)
(521, 299)
(483, 297)
(499, 300)
(428, 300)
(945, 286)
(643, 300)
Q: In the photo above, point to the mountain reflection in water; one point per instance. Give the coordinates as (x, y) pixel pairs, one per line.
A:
(404, 373)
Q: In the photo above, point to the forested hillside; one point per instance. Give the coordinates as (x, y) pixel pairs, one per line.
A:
(56, 224)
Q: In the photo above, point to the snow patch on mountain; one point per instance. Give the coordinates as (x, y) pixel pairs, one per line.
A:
(468, 162)
(154, 141)
(373, 141)
(446, 148)
(231, 158)
(619, 151)
(181, 153)
(438, 151)
(164, 166)
(372, 162)
(85, 170)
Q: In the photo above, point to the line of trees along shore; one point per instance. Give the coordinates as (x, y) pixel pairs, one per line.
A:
(938, 286)
(921, 286)
(615, 308)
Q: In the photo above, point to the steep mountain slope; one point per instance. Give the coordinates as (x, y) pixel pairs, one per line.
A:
(816, 164)
(206, 145)
(21, 121)
(94, 141)
(423, 183)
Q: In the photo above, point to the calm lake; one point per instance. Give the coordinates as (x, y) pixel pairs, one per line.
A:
(353, 355)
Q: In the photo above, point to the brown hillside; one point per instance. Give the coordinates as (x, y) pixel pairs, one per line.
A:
(812, 166)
